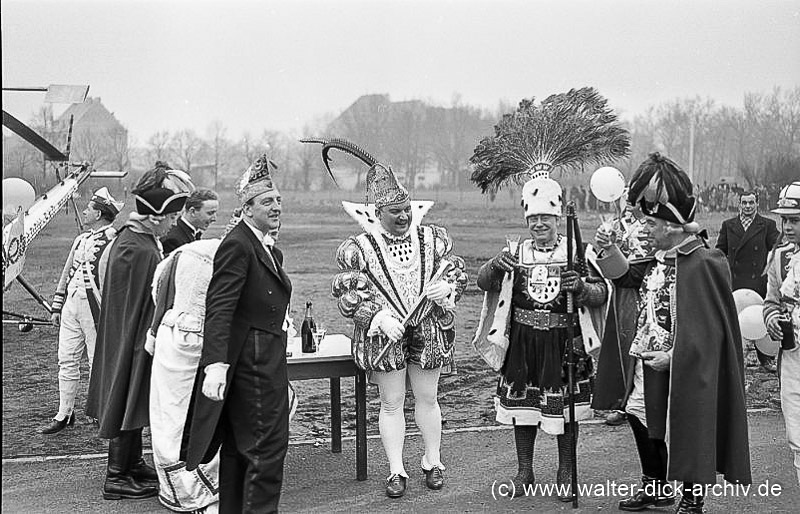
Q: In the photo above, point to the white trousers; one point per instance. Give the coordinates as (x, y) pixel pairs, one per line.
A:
(175, 361)
(790, 401)
(76, 335)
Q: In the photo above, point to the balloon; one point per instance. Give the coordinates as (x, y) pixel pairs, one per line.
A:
(751, 321)
(17, 193)
(767, 346)
(746, 298)
(607, 184)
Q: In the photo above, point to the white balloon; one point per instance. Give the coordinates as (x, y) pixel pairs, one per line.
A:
(745, 298)
(751, 322)
(767, 346)
(17, 193)
(607, 184)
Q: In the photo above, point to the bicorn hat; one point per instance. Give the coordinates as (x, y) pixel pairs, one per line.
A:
(104, 198)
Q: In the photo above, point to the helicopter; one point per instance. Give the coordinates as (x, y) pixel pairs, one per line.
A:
(29, 214)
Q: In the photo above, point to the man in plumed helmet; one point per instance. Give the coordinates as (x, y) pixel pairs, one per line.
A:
(686, 404)
(240, 404)
(119, 388)
(399, 282)
(782, 312)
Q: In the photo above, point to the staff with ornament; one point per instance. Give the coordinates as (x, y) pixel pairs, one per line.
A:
(528, 322)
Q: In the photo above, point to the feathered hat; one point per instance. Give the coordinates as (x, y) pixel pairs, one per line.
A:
(663, 190)
(565, 130)
(256, 179)
(789, 200)
(381, 183)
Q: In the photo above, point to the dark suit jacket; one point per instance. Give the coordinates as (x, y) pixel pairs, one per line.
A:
(747, 251)
(247, 295)
(180, 234)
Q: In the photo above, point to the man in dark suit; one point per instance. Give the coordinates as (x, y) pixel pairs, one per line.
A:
(746, 241)
(241, 400)
(198, 214)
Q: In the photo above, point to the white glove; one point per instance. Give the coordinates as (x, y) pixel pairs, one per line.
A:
(150, 343)
(439, 290)
(390, 326)
(214, 383)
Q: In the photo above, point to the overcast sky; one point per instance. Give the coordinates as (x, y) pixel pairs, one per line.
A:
(168, 65)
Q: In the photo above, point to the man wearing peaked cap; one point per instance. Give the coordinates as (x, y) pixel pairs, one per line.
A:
(119, 387)
(687, 375)
(782, 312)
(76, 305)
(240, 404)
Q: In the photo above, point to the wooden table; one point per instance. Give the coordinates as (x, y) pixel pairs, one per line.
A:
(333, 361)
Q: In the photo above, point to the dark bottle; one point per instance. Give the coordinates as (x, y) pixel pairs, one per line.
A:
(306, 336)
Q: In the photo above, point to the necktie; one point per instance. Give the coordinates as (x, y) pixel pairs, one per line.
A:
(197, 235)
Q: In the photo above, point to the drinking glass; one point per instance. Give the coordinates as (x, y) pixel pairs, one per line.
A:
(318, 334)
(512, 240)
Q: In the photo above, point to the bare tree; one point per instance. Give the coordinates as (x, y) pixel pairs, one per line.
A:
(220, 147)
(187, 148)
(158, 147)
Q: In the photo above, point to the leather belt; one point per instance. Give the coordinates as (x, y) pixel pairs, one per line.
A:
(541, 319)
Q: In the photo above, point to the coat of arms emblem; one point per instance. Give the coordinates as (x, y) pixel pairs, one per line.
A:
(543, 282)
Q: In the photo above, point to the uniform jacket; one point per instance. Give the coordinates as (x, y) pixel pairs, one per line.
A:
(747, 251)
(778, 266)
(88, 265)
(246, 293)
(180, 234)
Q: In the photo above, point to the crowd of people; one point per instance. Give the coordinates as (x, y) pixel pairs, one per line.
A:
(188, 335)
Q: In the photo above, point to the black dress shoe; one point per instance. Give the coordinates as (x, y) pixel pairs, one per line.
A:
(641, 501)
(434, 478)
(396, 486)
(616, 418)
(56, 426)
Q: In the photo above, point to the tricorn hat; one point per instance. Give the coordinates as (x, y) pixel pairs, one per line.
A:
(663, 190)
(158, 201)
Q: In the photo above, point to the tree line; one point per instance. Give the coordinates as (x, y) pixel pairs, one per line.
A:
(758, 143)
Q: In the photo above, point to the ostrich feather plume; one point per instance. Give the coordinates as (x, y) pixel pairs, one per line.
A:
(565, 130)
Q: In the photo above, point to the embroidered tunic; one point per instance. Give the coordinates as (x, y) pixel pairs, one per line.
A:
(383, 272)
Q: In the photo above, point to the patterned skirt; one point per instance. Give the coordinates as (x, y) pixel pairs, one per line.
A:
(532, 389)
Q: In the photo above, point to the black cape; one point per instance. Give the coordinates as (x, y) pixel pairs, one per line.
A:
(119, 388)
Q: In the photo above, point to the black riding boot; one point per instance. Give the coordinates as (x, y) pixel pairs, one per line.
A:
(119, 483)
(140, 470)
(564, 475)
(524, 437)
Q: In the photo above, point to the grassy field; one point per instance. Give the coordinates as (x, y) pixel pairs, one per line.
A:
(313, 226)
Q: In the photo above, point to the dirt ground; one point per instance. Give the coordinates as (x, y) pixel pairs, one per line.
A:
(314, 225)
